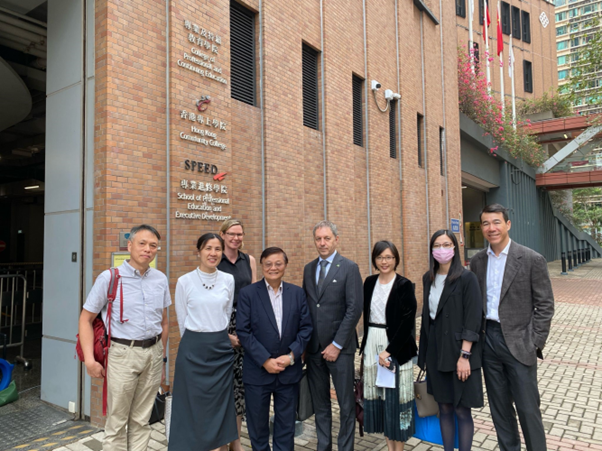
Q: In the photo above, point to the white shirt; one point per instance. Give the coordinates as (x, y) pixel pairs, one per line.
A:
(329, 260)
(144, 298)
(435, 294)
(202, 310)
(276, 300)
(496, 267)
(378, 305)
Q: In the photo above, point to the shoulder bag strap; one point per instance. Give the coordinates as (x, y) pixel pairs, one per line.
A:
(112, 293)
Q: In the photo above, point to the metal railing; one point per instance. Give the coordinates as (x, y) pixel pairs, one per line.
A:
(13, 296)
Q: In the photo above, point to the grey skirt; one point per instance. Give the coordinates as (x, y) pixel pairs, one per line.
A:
(203, 415)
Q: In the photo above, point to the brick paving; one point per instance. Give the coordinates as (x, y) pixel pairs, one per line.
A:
(570, 379)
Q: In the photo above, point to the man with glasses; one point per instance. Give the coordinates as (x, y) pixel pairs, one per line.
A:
(334, 290)
(274, 327)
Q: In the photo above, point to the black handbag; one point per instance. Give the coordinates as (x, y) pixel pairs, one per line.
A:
(305, 407)
(158, 408)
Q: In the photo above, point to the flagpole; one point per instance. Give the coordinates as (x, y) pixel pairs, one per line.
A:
(501, 61)
(486, 33)
(512, 61)
(470, 37)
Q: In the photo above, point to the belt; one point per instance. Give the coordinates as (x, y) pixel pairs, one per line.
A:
(379, 326)
(138, 343)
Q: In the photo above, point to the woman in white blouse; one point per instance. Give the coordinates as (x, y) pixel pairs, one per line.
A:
(203, 413)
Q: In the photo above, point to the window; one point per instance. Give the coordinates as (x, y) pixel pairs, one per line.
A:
(574, 12)
(574, 27)
(560, 16)
(526, 19)
(562, 45)
(358, 125)
(575, 42)
(393, 129)
(560, 2)
(516, 31)
(560, 31)
(461, 8)
(527, 76)
(562, 74)
(574, 57)
(310, 87)
(419, 125)
(242, 54)
(475, 46)
(481, 10)
(442, 149)
(505, 18)
(561, 60)
(587, 9)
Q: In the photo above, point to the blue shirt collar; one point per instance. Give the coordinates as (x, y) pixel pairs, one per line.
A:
(329, 259)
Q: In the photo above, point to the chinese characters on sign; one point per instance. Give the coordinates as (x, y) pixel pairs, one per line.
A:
(200, 135)
(202, 59)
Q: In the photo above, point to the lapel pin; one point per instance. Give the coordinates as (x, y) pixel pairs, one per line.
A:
(338, 266)
(334, 281)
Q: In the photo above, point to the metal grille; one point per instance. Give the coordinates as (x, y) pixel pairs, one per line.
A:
(358, 126)
(527, 76)
(442, 149)
(526, 26)
(516, 32)
(461, 8)
(242, 53)
(419, 132)
(310, 87)
(392, 129)
(505, 7)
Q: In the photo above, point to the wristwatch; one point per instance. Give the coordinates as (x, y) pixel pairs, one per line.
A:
(164, 359)
(290, 356)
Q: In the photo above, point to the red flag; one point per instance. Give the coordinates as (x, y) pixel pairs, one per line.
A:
(500, 37)
(486, 18)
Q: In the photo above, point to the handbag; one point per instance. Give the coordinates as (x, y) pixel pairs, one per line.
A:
(428, 429)
(425, 402)
(358, 390)
(305, 407)
(158, 412)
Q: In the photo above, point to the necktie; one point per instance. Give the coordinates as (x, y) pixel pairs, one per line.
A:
(322, 275)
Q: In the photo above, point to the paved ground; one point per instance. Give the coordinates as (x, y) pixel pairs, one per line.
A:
(570, 379)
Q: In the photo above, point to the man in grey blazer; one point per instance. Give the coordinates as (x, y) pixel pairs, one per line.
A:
(334, 290)
(518, 304)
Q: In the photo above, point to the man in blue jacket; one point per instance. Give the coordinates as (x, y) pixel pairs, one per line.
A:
(274, 326)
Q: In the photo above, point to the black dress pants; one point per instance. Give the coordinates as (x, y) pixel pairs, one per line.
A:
(509, 381)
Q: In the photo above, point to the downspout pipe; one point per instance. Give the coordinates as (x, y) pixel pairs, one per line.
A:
(262, 115)
(399, 135)
(426, 172)
(367, 139)
(168, 178)
(444, 137)
(323, 107)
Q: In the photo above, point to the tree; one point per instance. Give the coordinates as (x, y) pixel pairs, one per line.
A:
(587, 211)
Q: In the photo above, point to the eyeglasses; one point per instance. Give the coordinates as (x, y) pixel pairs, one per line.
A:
(268, 265)
(387, 258)
(235, 235)
(444, 246)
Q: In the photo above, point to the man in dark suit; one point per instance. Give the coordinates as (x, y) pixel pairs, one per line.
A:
(334, 290)
(518, 304)
(274, 327)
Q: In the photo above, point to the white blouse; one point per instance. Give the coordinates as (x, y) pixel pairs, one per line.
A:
(202, 310)
(378, 305)
(435, 294)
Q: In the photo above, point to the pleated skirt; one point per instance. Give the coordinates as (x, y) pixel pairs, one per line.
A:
(203, 413)
(387, 410)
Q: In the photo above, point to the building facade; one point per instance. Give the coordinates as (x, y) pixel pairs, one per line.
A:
(181, 114)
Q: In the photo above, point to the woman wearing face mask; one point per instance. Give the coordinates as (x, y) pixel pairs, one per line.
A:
(203, 414)
(450, 339)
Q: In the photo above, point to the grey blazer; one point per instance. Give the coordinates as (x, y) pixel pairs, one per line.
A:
(336, 310)
(526, 300)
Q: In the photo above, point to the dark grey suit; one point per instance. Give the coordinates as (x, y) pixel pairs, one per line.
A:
(334, 311)
(511, 347)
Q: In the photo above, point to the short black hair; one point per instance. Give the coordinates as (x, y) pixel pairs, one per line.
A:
(456, 268)
(206, 237)
(146, 227)
(495, 208)
(271, 251)
(382, 246)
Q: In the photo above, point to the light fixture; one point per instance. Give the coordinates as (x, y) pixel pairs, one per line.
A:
(32, 187)
(565, 137)
(464, 186)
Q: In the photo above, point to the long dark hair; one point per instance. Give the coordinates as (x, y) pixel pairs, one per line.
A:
(455, 270)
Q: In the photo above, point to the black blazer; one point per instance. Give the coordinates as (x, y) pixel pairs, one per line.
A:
(400, 316)
(459, 317)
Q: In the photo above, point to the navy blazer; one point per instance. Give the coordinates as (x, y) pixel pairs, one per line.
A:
(258, 332)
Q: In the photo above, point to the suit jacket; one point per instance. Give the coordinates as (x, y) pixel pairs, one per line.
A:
(258, 332)
(400, 316)
(459, 317)
(526, 300)
(336, 310)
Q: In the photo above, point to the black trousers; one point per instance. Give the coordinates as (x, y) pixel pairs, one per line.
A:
(509, 381)
(343, 374)
(257, 399)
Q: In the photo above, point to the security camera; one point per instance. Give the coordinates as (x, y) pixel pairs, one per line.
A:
(375, 85)
(396, 96)
(389, 94)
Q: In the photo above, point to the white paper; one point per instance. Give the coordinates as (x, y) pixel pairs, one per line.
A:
(384, 377)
